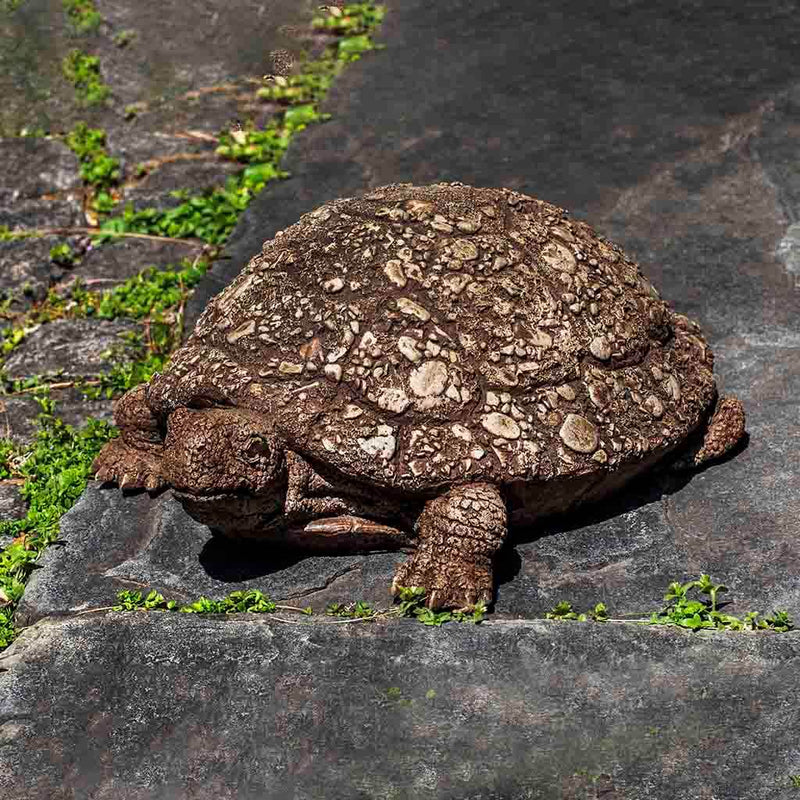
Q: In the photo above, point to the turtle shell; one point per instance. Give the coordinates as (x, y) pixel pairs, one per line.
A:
(423, 335)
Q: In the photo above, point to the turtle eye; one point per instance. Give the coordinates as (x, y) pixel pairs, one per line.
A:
(256, 449)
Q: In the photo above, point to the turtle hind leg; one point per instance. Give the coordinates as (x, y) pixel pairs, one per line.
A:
(133, 459)
(459, 533)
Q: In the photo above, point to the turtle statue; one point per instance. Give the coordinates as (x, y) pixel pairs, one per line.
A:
(420, 369)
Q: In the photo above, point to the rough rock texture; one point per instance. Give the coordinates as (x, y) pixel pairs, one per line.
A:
(162, 706)
(40, 185)
(75, 346)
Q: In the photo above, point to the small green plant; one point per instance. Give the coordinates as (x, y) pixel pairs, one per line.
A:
(83, 72)
(62, 254)
(564, 610)
(352, 19)
(82, 15)
(794, 781)
(124, 38)
(98, 169)
(210, 216)
(33, 132)
(353, 610)
(254, 601)
(682, 610)
(132, 110)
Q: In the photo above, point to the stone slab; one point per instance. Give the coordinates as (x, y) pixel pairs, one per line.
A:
(160, 706)
(75, 346)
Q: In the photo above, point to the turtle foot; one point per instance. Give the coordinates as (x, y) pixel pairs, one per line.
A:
(452, 584)
(128, 467)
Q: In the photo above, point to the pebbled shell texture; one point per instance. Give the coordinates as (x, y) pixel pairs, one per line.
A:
(421, 335)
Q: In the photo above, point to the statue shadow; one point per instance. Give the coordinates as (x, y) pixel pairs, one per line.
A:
(649, 488)
(231, 561)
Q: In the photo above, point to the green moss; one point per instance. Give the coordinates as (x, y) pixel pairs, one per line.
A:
(124, 38)
(82, 15)
(55, 470)
(62, 254)
(254, 601)
(7, 235)
(83, 72)
(683, 611)
(98, 169)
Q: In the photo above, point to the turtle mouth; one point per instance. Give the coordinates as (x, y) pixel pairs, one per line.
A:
(235, 513)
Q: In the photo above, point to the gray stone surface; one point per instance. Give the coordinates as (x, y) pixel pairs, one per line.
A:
(209, 44)
(133, 541)
(40, 184)
(118, 260)
(26, 271)
(161, 706)
(75, 346)
(19, 412)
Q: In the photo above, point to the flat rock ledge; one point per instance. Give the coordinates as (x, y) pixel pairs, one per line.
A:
(181, 706)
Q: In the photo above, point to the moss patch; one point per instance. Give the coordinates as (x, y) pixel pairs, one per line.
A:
(83, 72)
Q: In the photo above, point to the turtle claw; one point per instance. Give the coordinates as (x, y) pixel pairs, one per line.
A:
(128, 467)
(152, 483)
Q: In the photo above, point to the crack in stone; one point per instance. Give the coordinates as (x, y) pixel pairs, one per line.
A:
(328, 581)
(668, 515)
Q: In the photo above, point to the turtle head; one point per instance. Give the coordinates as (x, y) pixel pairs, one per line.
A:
(223, 451)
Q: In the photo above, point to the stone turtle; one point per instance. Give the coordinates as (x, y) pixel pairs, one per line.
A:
(421, 368)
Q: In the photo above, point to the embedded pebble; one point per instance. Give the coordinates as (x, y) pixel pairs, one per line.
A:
(243, 330)
(464, 250)
(559, 257)
(501, 425)
(541, 338)
(394, 272)
(407, 306)
(408, 347)
(599, 394)
(673, 388)
(286, 368)
(429, 379)
(394, 400)
(600, 348)
(461, 432)
(654, 406)
(566, 391)
(380, 446)
(333, 371)
(333, 285)
(579, 434)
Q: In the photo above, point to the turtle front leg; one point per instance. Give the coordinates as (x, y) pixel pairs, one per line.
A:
(459, 533)
(134, 459)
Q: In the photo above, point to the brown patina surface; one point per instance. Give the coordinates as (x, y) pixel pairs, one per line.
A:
(467, 350)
